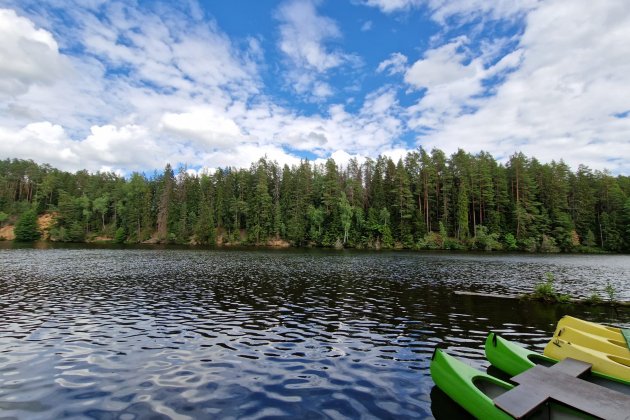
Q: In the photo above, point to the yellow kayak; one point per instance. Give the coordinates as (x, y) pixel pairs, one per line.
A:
(592, 341)
(611, 333)
(608, 364)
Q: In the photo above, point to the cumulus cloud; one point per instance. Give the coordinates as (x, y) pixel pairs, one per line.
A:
(204, 124)
(242, 156)
(451, 80)
(137, 99)
(566, 98)
(50, 143)
(141, 88)
(303, 33)
(28, 55)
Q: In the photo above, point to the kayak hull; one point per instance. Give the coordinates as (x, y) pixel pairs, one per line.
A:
(593, 328)
(474, 391)
(592, 341)
(514, 359)
(615, 366)
(462, 384)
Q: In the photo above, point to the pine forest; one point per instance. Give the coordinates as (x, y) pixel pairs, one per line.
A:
(425, 201)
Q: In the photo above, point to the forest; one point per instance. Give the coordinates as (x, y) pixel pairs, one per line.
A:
(425, 201)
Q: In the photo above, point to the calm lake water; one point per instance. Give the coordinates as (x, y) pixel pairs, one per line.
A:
(191, 333)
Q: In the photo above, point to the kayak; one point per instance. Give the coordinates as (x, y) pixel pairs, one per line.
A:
(592, 341)
(474, 390)
(514, 359)
(605, 363)
(467, 386)
(604, 331)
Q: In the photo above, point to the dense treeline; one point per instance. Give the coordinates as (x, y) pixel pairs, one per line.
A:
(426, 201)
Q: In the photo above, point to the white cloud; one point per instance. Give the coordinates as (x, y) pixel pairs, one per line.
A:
(169, 52)
(322, 90)
(449, 82)
(28, 55)
(305, 38)
(469, 9)
(367, 26)
(396, 63)
(242, 156)
(103, 146)
(303, 33)
(152, 87)
(127, 147)
(341, 158)
(390, 6)
(464, 10)
(206, 124)
(561, 101)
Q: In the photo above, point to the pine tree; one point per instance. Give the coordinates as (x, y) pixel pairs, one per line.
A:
(26, 229)
(166, 199)
(205, 227)
(261, 206)
(404, 203)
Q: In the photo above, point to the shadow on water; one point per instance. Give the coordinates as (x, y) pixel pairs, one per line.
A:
(443, 408)
(104, 332)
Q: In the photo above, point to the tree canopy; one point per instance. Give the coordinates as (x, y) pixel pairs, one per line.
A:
(425, 200)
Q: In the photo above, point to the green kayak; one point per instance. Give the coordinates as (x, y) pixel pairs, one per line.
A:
(467, 386)
(514, 359)
(475, 390)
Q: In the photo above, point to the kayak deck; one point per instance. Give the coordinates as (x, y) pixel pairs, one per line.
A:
(561, 383)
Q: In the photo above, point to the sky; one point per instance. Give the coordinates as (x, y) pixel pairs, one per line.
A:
(132, 85)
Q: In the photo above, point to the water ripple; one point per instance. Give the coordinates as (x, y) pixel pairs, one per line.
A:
(140, 333)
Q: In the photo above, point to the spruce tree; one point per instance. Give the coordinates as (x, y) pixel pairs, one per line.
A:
(26, 229)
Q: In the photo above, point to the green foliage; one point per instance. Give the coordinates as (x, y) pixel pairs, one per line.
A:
(316, 217)
(528, 244)
(26, 229)
(120, 236)
(545, 292)
(486, 241)
(431, 240)
(58, 234)
(510, 242)
(563, 298)
(589, 241)
(425, 200)
(101, 206)
(548, 245)
(593, 299)
(611, 292)
(3, 217)
(345, 212)
(76, 233)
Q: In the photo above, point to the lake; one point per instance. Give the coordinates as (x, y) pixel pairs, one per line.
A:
(160, 332)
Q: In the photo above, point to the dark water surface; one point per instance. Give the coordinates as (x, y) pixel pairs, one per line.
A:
(180, 333)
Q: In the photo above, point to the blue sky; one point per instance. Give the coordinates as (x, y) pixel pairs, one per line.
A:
(131, 85)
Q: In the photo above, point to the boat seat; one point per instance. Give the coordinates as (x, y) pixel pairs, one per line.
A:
(561, 383)
(572, 367)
